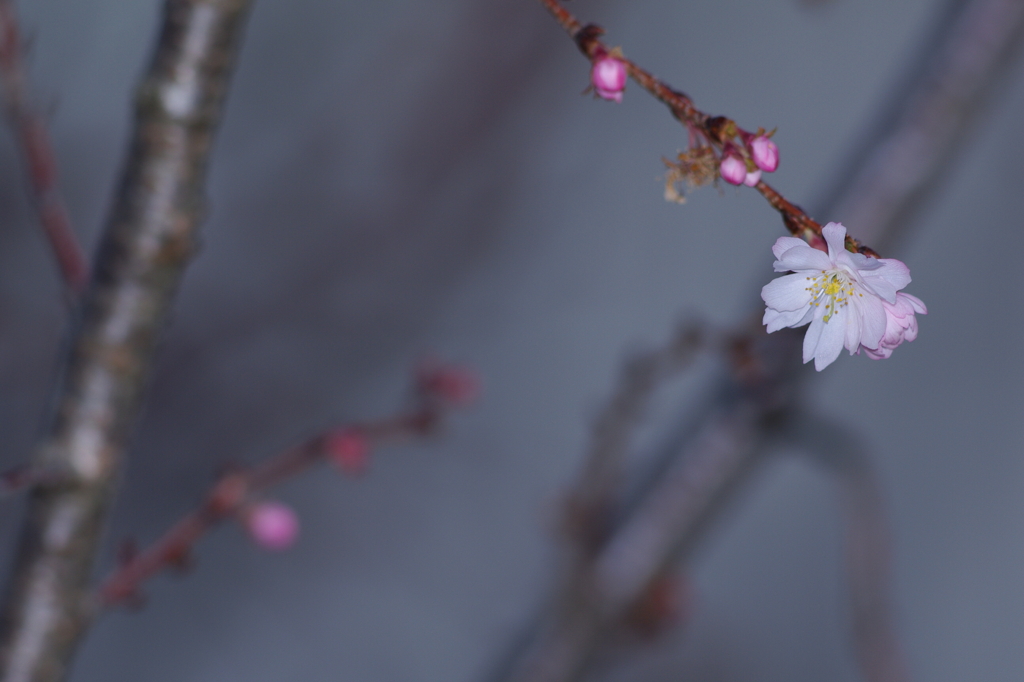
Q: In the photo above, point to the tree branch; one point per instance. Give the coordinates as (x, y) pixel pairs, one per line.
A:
(149, 238)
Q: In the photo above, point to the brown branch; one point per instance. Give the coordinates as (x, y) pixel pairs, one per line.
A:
(149, 239)
(718, 130)
(38, 157)
(236, 489)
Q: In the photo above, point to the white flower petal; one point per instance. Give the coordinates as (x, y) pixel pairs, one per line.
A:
(873, 320)
(784, 244)
(879, 287)
(895, 272)
(787, 293)
(830, 340)
(811, 338)
(775, 320)
(802, 257)
(853, 328)
(835, 237)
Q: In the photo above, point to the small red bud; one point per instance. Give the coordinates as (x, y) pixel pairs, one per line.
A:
(457, 386)
(349, 449)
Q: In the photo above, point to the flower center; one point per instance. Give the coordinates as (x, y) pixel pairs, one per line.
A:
(832, 288)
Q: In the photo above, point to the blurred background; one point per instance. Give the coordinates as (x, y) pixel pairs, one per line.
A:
(408, 177)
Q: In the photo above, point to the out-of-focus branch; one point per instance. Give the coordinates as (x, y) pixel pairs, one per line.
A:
(37, 156)
(915, 142)
(593, 500)
(575, 623)
(439, 388)
(695, 477)
(874, 638)
(149, 239)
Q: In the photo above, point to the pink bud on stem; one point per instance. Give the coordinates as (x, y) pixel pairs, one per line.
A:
(764, 153)
(733, 169)
(752, 178)
(608, 76)
(457, 386)
(271, 525)
(349, 450)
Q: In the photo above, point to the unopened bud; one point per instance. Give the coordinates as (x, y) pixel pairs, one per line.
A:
(765, 153)
(733, 170)
(272, 525)
(752, 178)
(608, 76)
(455, 385)
(349, 450)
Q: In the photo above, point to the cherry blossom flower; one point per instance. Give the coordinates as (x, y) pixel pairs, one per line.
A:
(848, 298)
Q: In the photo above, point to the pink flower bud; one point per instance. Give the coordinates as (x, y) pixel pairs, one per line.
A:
(608, 76)
(349, 450)
(452, 384)
(272, 525)
(733, 170)
(765, 154)
(752, 178)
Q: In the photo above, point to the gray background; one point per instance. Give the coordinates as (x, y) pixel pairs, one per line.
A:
(412, 176)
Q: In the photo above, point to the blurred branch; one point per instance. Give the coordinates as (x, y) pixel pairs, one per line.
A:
(591, 505)
(874, 637)
(763, 389)
(439, 388)
(38, 157)
(149, 239)
(917, 137)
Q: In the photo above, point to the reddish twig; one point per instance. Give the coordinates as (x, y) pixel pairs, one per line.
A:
(716, 130)
(38, 156)
(24, 477)
(236, 489)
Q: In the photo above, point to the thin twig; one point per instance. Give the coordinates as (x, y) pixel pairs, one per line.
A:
(237, 488)
(149, 239)
(716, 129)
(38, 157)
